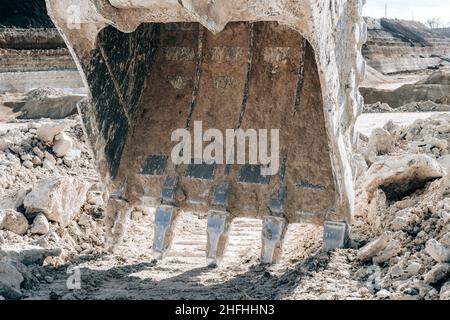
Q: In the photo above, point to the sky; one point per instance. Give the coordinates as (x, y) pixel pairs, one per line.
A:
(419, 10)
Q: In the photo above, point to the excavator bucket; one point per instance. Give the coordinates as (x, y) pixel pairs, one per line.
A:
(162, 70)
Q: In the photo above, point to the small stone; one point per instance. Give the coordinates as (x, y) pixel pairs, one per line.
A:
(36, 161)
(49, 157)
(38, 153)
(445, 292)
(26, 157)
(47, 132)
(383, 294)
(381, 141)
(84, 219)
(67, 162)
(136, 215)
(445, 162)
(5, 144)
(392, 250)
(40, 225)
(73, 155)
(13, 221)
(364, 291)
(445, 240)
(413, 268)
(403, 219)
(438, 274)
(396, 271)
(86, 246)
(370, 250)
(49, 279)
(95, 198)
(63, 144)
(48, 165)
(437, 251)
(28, 164)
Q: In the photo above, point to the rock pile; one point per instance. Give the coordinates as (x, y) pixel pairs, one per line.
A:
(404, 210)
(51, 204)
(35, 150)
(421, 106)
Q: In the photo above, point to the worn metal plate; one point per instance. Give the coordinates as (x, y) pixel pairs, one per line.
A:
(222, 194)
(277, 200)
(169, 190)
(154, 165)
(164, 217)
(202, 171)
(250, 173)
(335, 235)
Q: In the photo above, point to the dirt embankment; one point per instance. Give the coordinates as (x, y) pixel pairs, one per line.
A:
(32, 52)
(395, 46)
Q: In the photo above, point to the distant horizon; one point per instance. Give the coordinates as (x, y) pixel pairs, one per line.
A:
(416, 10)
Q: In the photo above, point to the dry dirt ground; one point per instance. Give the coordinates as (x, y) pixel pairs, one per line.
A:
(388, 259)
(132, 273)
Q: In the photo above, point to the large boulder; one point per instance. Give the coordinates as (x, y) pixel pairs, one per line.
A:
(13, 221)
(27, 254)
(10, 280)
(15, 200)
(59, 199)
(399, 176)
(50, 107)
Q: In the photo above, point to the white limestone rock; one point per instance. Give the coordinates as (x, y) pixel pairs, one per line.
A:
(59, 199)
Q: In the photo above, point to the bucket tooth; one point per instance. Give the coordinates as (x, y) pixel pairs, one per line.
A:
(272, 239)
(277, 201)
(117, 217)
(165, 217)
(222, 194)
(218, 231)
(218, 223)
(335, 235)
(168, 193)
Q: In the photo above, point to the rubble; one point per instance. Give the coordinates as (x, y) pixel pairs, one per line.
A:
(62, 146)
(373, 248)
(10, 280)
(28, 254)
(399, 245)
(399, 176)
(438, 274)
(393, 248)
(437, 251)
(445, 291)
(40, 225)
(50, 198)
(415, 106)
(47, 132)
(13, 221)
